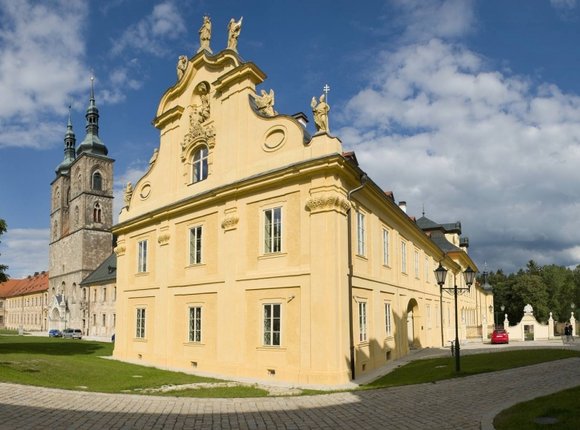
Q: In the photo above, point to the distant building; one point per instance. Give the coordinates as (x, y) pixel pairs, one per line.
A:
(24, 303)
(81, 218)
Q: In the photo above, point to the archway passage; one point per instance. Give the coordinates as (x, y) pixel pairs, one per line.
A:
(413, 324)
(55, 320)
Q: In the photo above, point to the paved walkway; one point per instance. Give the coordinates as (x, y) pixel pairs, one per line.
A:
(463, 403)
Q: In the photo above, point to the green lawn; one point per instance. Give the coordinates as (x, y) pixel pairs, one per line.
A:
(437, 369)
(557, 411)
(78, 365)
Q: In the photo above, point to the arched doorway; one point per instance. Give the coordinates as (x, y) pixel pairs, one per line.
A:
(413, 324)
(55, 321)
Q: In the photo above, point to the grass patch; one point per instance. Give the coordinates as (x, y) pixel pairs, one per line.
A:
(437, 369)
(218, 392)
(8, 331)
(561, 409)
(78, 365)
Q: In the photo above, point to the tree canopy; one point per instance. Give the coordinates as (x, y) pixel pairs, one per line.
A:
(3, 268)
(549, 288)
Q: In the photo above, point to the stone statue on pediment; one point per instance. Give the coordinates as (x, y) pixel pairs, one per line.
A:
(320, 111)
(128, 194)
(265, 103)
(181, 66)
(205, 35)
(234, 29)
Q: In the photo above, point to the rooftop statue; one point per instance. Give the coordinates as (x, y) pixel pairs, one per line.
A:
(181, 66)
(265, 103)
(234, 29)
(320, 111)
(205, 35)
(128, 194)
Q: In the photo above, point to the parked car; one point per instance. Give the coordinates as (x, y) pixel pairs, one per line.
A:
(500, 336)
(54, 333)
(72, 333)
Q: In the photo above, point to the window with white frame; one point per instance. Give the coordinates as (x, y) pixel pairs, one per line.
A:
(195, 244)
(195, 324)
(273, 230)
(199, 163)
(385, 247)
(360, 229)
(428, 309)
(140, 324)
(388, 326)
(437, 316)
(362, 321)
(404, 257)
(426, 269)
(142, 257)
(416, 264)
(272, 324)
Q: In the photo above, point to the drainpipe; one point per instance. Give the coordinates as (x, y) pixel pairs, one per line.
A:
(363, 181)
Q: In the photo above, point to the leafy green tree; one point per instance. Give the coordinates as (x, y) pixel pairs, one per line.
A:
(3, 268)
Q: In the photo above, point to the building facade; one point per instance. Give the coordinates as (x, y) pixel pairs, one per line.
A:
(24, 303)
(251, 249)
(81, 219)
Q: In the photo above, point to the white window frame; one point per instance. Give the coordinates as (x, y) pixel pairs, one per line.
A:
(416, 261)
(362, 321)
(360, 234)
(403, 256)
(140, 322)
(273, 225)
(199, 164)
(271, 336)
(142, 256)
(388, 319)
(385, 247)
(196, 244)
(195, 324)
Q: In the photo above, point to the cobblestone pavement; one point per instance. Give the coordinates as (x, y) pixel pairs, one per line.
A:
(463, 403)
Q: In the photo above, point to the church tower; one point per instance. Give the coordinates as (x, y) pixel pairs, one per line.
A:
(80, 222)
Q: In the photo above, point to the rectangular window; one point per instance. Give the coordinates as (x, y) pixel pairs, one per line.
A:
(140, 326)
(388, 326)
(416, 264)
(195, 244)
(428, 308)
(195, 324)
(114, 320)
(437, 315)
(272, 324)
(360, 229)
(273, 230)
(385, 247)
(142, 263)
(426, 269)
(104, 320)
(104, 294)
(362, 321)
(403, 257)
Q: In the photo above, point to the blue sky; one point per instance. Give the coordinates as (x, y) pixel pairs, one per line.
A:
(470, 109)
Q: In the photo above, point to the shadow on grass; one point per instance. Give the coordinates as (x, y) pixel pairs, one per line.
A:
(48, 346)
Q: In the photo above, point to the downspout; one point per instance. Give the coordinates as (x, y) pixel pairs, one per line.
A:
(363, 180)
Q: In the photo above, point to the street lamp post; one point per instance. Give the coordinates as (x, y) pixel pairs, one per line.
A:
(469, 276)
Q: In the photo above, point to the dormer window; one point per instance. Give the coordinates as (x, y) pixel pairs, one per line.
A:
(97, 181)
(199, 172)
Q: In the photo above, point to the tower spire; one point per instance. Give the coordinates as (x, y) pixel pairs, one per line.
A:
(69, 147)
(92, 143)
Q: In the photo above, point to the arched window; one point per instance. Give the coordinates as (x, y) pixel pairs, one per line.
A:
(199, 172)
(97, 213)
(67, 196)
(97, 181)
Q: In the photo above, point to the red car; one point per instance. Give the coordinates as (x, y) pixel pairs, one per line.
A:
(500, 336)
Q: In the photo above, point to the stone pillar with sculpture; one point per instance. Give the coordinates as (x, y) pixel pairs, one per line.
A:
(573, 323)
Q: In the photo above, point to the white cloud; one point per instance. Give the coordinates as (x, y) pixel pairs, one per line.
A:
(152, 33)
(563, 4)
(25, 251)
(41, 67)
(440, 128)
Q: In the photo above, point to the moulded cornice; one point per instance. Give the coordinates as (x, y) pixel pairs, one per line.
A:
(327, 202)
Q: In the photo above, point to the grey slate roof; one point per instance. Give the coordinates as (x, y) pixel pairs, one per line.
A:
(105, 273)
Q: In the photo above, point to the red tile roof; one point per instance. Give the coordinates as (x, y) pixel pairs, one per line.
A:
(21, 287)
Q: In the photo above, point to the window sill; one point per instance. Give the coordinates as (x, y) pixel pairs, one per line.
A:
(194, 265)
(140, 339)
(193, 344)
(272, 255)
(271, 348)
(141, 274)
(362, 257)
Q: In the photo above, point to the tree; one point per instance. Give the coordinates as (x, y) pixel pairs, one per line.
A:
(3, 268)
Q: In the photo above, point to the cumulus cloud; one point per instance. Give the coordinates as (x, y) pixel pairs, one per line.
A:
(442, 129)
(41, 67)
(25, 251)
(152, 33)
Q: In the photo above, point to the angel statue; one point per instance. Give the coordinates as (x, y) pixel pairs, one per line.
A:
(234, 29)
(128, 194)
(181, 66)
(265, 103)
(320, 111)
(205, 35)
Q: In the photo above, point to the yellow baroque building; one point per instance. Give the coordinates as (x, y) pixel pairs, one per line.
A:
(233, 249)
